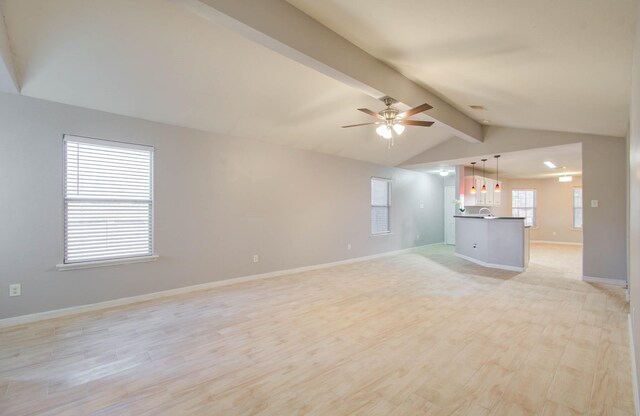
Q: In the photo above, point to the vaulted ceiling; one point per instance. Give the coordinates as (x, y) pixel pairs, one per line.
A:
(155, 60)
(547, 65)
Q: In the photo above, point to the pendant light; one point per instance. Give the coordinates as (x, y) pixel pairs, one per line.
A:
(497, 187)
(473, 184)
(484, 185)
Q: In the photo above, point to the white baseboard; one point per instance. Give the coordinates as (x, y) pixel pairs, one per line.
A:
(604, 280)
(634, 374)
(57, 313)
(491, 265)
(564, 243)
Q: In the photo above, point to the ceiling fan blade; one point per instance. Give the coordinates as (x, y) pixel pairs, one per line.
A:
(415, 110)
(362, 124)
(371, 113)
(415, 123)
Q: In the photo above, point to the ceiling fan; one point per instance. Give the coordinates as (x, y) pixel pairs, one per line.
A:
(391, 120)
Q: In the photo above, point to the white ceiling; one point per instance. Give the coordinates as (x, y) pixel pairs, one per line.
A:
(545, 64)
(525, 164)
(154, 60)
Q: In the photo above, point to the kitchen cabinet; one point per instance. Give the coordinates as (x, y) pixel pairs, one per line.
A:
(490, 183)
(488, 199)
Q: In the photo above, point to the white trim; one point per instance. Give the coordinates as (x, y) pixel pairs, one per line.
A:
(491, 265)
(107, 142)
(381, 234)
(565, 243)
(634, 373)
(57, 313)
(103, 263)
(605, 280)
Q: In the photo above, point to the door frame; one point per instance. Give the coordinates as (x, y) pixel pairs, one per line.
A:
(448, 204)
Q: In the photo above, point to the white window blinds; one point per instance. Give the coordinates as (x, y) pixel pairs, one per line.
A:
(108, 200)
(380, 205)
(523, 204)
(577, 207)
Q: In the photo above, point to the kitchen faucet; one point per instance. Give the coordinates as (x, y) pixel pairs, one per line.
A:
(490, 214)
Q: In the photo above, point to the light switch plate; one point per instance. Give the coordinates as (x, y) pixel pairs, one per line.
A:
(15, 289)
(594, 203)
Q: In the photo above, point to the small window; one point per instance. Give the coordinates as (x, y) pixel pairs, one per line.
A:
(523, 204)
(108, 200)
(380, 205)
(577, 207)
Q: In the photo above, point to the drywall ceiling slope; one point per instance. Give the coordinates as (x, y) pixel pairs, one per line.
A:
(550, 65)
(8, 78)
(156, 60)
(286, 30)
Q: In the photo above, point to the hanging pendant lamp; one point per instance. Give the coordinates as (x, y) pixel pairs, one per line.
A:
(473, 184)
(497, 187)
(484, 185)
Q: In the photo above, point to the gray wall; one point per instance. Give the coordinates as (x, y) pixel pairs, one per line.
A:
(603, 177)
(554, 207)
(634, 199)
(218, 201)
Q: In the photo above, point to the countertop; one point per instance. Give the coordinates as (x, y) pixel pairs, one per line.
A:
(486, 217)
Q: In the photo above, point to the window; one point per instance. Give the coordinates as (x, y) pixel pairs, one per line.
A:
(577, 207)
(108, 200)
(523, 204)
(380, 205)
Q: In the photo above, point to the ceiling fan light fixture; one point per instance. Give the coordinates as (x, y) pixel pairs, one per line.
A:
(383, 131)
(565, 177)
(398, 128)
(391, 120)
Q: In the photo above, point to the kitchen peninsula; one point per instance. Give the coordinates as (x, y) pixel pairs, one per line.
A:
(496, 242)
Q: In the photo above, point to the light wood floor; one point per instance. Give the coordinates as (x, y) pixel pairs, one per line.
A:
(414, 334)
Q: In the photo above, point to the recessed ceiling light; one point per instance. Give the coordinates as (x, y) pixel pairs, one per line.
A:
(485, 122)
(565, 178)
(444, 173)
(550, 164)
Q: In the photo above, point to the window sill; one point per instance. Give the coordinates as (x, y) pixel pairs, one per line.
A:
(576, 229)
(104, 263)
(380, 234)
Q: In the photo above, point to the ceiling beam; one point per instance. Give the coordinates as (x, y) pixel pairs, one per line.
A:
(283, 28)
(8, 79)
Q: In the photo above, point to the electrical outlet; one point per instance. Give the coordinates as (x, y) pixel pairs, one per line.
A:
(256, 258)
(349, 246)
(15, 289)
(421, 206)
(594, 203)
(475, 246)
(418, 237)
